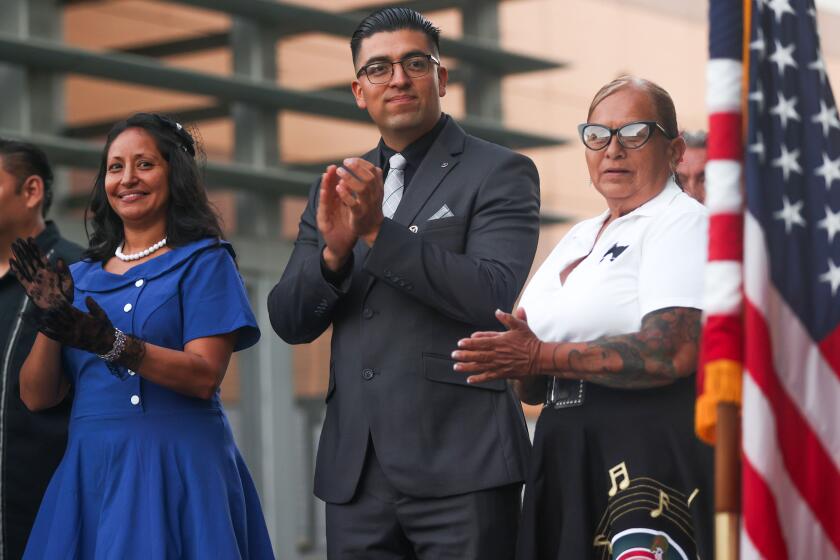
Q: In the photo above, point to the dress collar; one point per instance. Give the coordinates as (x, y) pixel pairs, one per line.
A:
(91, 277)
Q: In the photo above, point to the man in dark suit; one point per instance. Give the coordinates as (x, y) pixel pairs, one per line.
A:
(404, 251)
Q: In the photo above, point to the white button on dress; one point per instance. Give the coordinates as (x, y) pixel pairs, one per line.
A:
(127, 307)
(135, 400)
(139, 283)
(132, 372)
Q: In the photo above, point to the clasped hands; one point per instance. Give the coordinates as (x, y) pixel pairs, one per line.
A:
(50, 289)
(349, 208)
(513, 354)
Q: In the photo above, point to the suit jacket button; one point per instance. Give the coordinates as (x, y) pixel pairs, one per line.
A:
(367, 374)
(367, 313)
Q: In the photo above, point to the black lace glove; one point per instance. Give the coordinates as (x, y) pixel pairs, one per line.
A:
(46, 285)
(51, 291)
(94, 332)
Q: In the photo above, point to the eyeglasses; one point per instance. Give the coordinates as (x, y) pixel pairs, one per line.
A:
(631, 135)
(415, 66)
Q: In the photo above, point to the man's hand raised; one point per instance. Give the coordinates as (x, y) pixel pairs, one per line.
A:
(361, 190)
(335, 222)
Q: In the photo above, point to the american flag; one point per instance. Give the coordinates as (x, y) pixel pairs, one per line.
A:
(791, 287)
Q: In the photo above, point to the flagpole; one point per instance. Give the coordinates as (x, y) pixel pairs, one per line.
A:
(727, 480)
(728, 426)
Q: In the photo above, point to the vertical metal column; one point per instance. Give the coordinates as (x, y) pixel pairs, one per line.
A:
(483, 90)
(270, 422)
(32, 100)
(254, 49)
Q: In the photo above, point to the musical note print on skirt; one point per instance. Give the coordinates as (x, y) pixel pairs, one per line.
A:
(645, 519)
(618, 479)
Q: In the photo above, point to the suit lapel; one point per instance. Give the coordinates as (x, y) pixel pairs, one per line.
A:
(441, 158)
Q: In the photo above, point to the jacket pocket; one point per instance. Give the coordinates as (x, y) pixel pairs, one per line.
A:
(442, 223)
(439, 368)
(449, 233)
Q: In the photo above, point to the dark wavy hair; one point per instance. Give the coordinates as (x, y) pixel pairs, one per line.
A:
(394, 19)
(189, 214)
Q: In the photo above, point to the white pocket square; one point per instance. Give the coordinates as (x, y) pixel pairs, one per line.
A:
(444, 212)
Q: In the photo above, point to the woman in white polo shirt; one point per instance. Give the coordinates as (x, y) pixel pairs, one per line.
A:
(609, 345)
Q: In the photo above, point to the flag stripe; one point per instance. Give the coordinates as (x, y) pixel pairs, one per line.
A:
(723, 85)
(803, 534)
(808, 464)
(726, 237)
(724, 332)
(761, 516)
(723, 187)
(817, 394)
(748, 550)
(830, 348)
(724, 136)
(723, 288)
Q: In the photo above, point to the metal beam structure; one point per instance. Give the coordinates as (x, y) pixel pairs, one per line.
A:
(55, 57)
(289, 19)
(183, 115)
(187, 45)
(274, 181)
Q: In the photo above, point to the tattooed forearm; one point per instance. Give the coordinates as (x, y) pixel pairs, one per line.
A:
(664, 349)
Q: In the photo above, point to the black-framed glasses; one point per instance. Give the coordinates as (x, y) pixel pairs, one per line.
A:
(632, 135)
(414, 66)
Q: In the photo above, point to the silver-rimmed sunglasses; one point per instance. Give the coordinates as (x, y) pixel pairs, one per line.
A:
(632, 135)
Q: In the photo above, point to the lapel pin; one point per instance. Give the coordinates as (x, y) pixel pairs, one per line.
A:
(445, 164)
(413, 229)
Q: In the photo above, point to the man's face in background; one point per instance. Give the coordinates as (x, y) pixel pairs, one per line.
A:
(691, 172)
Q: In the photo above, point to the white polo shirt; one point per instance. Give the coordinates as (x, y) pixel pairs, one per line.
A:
(649, 259)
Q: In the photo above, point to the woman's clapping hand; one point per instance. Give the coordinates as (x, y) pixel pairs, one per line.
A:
(512, 354)
(46, 285)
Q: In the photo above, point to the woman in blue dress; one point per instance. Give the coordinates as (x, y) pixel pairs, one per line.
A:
(142, 331)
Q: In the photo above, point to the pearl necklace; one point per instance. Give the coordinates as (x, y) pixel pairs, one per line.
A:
(139, 255)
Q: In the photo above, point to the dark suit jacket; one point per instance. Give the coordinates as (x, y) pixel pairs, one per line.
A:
(398, 316)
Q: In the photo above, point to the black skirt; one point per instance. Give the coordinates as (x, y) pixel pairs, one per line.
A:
(620, 476)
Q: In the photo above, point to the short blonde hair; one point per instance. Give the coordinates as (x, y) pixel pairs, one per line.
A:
(662, 102)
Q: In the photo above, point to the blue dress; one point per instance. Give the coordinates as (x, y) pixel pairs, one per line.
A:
(148, 472)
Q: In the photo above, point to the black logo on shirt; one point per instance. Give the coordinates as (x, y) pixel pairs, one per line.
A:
(614, 252)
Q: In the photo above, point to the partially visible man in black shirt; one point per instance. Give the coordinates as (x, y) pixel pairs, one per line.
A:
(31, 445)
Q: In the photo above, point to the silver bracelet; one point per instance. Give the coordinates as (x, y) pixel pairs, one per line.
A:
(117, 348)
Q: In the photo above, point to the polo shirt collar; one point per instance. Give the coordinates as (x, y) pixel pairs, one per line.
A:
(656, 204)
(652, 207)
